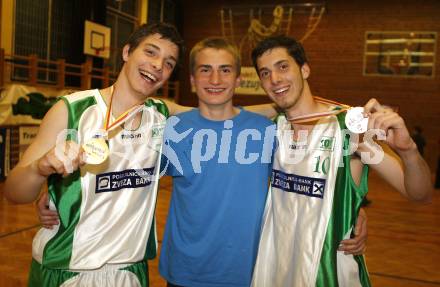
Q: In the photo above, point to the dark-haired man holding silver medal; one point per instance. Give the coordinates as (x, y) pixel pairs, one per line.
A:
(318, 186)
(102, 172)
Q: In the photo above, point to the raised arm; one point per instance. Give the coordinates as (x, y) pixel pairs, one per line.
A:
(402, 165)
(39, 161)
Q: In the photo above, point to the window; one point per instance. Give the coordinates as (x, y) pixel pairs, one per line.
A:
(157, 8)
(122, 19)
(400, 54)
(42, 28)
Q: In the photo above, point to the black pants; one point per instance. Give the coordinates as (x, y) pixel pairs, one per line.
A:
(172, 285)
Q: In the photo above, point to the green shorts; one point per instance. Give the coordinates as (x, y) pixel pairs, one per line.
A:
(133, 275)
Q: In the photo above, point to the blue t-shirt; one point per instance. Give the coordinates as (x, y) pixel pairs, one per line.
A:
(220, 175)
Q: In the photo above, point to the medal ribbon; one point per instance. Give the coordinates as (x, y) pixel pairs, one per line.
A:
(128, 114)
(315, 116)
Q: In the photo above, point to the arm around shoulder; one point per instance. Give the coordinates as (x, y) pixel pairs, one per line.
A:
(174, 108)
(266, 110)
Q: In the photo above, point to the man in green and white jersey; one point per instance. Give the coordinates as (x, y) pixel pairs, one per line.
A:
(317, 184)
(106, 210)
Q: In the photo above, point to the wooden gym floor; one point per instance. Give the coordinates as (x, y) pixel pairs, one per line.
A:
(403, 245)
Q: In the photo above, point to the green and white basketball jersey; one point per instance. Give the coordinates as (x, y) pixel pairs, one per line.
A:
(106, 211)
(313, 205)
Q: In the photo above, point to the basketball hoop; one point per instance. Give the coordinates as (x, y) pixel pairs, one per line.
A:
(96, 40)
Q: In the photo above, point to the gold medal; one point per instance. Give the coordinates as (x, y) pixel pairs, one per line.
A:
(96, 150)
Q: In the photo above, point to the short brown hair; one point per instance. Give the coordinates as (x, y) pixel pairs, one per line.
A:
(165, 30)
(215, 43)
(292, 46)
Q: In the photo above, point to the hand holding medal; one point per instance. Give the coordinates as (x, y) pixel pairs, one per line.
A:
(65, 158)
(391, 123)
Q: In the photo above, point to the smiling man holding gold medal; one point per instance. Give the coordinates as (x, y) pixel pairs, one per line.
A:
(105, 196)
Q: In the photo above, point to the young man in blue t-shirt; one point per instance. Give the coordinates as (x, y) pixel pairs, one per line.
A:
(220, 177)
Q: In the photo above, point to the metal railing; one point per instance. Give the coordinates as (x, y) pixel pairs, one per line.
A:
(31, 70)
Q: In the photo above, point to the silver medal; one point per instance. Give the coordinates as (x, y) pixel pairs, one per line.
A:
(355, 120)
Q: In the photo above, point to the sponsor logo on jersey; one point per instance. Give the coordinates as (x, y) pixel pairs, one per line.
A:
(130, 178)
(157, 130)
(309, 186)
(298, 146)
(131, 136)
(327, 143)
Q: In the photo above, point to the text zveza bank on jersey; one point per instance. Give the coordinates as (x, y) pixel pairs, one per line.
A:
(130, 178)
(304, 185)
